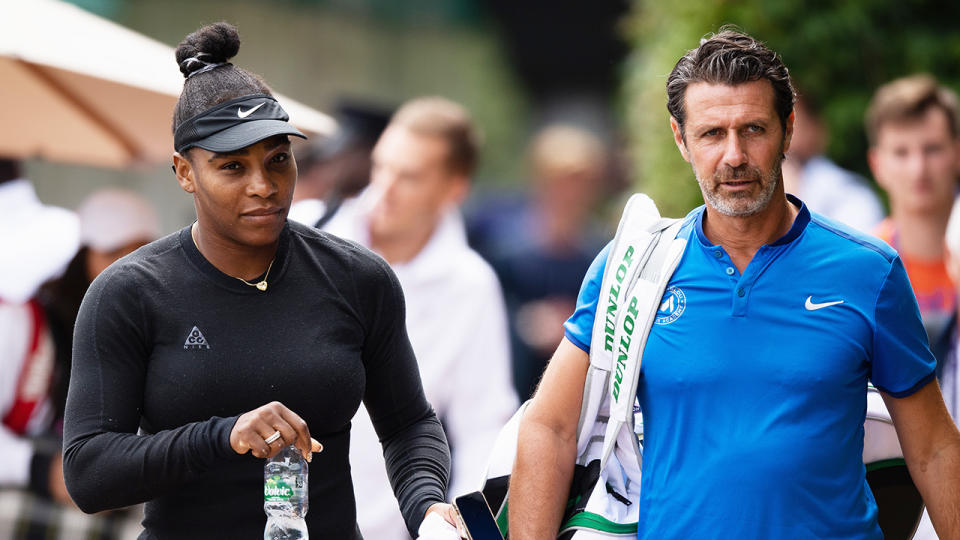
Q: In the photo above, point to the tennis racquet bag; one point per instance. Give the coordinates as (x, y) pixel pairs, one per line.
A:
(605, 490)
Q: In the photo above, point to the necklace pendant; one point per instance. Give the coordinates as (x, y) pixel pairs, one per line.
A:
(262, 285)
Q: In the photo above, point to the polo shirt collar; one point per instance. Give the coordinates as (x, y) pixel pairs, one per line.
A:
(799, 224)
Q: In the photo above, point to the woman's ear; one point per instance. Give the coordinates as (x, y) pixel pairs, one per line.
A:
(184, 171)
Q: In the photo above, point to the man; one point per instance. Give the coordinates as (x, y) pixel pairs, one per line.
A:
(822, 185)
(335, 169)
(541, 248)
(914, 155)
(753, 389)
(36, 243)
(455, 316)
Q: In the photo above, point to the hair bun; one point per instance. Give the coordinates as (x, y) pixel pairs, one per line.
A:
(212, 44)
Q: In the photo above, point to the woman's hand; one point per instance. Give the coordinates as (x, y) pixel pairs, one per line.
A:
(254, 428)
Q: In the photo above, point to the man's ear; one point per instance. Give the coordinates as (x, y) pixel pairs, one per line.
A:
(678, 139)
(184, 171)
(873, 161)
(459, 190)
(788, 131)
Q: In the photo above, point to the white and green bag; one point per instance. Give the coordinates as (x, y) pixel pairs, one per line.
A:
(604, 494)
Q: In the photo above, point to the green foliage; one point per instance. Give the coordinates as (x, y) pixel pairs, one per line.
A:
(838, 53)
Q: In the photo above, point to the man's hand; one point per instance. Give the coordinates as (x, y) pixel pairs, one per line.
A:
(547, 447)
(449, 514)
(931, 448)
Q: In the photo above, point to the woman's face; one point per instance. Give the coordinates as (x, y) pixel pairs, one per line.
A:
(242, 197)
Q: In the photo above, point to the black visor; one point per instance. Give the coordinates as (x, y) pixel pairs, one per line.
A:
(234, 124)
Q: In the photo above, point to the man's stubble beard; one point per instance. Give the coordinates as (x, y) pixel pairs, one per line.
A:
(740, 204)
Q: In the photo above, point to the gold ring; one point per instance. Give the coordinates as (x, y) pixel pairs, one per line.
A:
(271, 439)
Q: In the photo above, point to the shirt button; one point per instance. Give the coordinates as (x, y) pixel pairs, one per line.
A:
(729, 270)
(717, 254)
(741, 292)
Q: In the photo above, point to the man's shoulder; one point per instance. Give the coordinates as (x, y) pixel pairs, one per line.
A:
(849, 241)
(466, 269)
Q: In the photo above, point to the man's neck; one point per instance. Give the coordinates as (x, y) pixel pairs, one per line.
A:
(400, 249)
(742, 237)
(919, 235)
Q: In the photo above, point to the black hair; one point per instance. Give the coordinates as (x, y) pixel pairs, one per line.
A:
(209, 46)
(9, 170)
(729, 57)
(61, 298)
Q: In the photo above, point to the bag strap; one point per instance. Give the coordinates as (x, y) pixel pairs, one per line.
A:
(641, 260)
(633, 329)
(623, 257)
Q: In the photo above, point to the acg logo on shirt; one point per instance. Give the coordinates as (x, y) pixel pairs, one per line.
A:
(671, 306)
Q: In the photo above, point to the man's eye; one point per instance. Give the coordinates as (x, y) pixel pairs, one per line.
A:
(755, 128)
(281, 158)
(230, 166)
(711, 133)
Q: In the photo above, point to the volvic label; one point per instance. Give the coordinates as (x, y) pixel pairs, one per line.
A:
(276, 490)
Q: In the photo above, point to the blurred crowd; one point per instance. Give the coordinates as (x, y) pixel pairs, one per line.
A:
(488, 281)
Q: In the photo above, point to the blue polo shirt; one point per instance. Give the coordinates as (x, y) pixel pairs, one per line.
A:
(753, 385)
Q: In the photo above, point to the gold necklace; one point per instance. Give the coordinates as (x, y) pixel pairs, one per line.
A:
(260, 285)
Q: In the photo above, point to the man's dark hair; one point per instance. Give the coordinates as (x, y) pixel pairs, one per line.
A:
(729, 57)
(206, 85)
(9, 170)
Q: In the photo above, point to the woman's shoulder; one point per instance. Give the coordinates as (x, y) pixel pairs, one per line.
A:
(332, 251)
(143, 263)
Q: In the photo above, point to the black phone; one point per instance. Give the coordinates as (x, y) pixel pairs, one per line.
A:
(477, 518)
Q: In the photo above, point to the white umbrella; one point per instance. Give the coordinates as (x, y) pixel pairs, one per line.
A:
(78, 88)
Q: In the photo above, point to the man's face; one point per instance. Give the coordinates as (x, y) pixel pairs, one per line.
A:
(415, 184)
(735, 144)
(916, 162)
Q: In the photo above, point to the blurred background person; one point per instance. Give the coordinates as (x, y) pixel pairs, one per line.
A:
(113, 222)
(36, 242)
(820, 183)
(335, 169)
(946, 348)
(422, 168)
(542, 247)
(914, 154)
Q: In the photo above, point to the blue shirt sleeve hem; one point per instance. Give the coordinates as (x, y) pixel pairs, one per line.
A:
(573, 339)
(910, 391)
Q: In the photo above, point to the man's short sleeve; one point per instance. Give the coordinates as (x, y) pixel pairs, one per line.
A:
(902, 361)
(579, 327)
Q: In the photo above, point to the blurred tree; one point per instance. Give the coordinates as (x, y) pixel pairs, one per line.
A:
(837, 52)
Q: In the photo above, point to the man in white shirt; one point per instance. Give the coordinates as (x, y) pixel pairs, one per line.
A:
(36, 242)
(455, 314)
(820, 183)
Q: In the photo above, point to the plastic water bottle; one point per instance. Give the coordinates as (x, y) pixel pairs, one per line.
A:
(285, 495)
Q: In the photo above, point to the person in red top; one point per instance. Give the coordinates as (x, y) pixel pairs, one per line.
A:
(915, 157)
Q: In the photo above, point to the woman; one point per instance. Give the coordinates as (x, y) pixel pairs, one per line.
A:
(242, 326)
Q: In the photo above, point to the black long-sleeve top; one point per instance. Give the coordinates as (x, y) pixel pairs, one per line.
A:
(167, 345)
